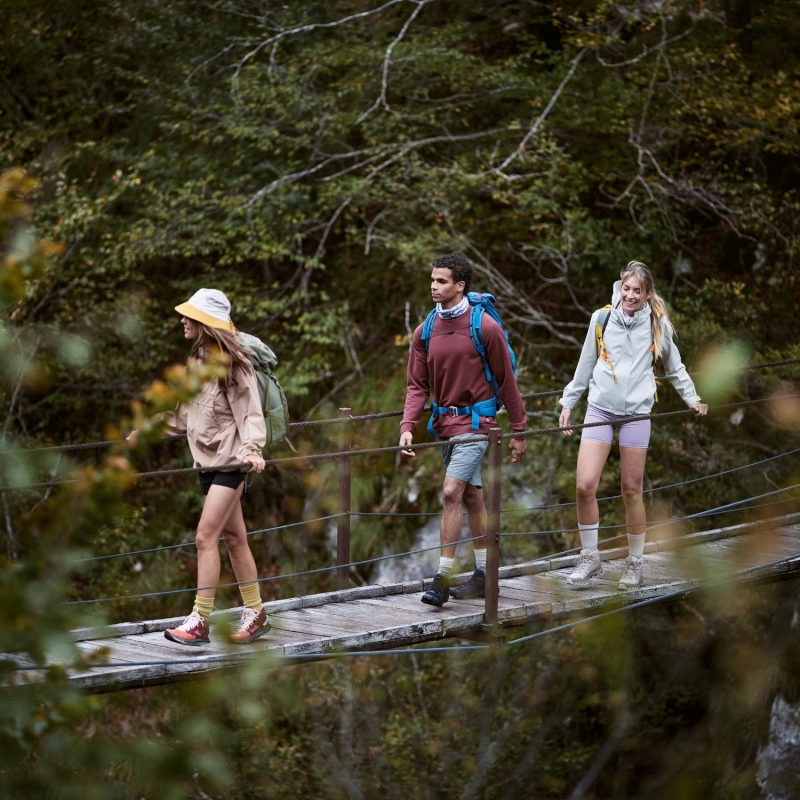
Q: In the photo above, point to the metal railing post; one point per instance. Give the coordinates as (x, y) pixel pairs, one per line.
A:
(493, 525)
(343, 523)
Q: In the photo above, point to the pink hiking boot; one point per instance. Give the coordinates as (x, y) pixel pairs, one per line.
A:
(193, 632)
(253, 624)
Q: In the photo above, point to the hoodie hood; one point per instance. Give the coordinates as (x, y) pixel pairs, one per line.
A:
(616, 293)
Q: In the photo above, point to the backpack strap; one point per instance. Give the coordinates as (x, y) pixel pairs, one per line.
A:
(476, 334)
(427, 329)
(600, 325)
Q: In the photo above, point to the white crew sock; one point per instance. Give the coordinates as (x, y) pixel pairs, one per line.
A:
(445, 566)
(589, 536)
(480, 559)
(636, 545)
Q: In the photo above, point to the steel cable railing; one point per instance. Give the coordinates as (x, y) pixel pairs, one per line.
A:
(438, 513)
(312, 457)
(272, 578)
(336, 420)
(104, 445)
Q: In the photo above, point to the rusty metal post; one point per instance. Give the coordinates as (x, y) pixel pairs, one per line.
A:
(343, 523)
(493, 526)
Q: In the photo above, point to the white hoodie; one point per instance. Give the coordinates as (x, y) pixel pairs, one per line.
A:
(628, 348)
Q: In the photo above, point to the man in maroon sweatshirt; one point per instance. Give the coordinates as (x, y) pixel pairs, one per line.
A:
(453, 370)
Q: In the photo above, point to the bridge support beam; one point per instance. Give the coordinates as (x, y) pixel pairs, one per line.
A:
(493, 526)
(343, 523)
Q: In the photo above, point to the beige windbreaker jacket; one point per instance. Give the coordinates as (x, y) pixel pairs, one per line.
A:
(629, 350)
(223, 425)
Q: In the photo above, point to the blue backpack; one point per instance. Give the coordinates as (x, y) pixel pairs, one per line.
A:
(479, 305)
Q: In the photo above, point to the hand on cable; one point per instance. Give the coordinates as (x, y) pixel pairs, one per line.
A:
(563, 420)
(256, 463)
(517, 448)
(405, 440)
(701, 409)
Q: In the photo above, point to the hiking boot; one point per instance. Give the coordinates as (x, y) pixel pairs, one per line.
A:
(193, 632)
(632, 577)
(589, 567)
(439, 593)
(253, 624)
(474, 587)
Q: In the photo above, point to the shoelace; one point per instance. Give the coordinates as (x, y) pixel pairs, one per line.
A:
(585, 560)
(192, 621)
(630, 569)
(248, 617)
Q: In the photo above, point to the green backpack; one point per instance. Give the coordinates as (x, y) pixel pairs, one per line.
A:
(273, 400)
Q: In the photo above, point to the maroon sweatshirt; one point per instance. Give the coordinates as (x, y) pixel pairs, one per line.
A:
(457, 377)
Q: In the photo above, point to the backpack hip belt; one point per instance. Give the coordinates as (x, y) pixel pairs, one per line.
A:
(486, 408)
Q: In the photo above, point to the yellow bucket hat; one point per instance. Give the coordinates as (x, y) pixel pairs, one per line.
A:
(209, 306)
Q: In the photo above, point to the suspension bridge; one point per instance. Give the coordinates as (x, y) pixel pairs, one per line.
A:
(389, 618)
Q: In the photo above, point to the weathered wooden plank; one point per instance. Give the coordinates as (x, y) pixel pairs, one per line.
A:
(375, 616)
(303, 622)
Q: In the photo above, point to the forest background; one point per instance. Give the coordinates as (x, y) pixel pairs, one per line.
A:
(311, 159)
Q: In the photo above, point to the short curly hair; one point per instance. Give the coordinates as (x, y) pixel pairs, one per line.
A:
(458, 265)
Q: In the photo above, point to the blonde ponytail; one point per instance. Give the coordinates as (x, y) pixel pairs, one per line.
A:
(658, 308)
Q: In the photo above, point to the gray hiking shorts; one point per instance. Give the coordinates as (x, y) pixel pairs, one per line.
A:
(463, 459)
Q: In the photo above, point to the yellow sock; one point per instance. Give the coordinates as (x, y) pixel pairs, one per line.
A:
(203, 606)
(251, 596)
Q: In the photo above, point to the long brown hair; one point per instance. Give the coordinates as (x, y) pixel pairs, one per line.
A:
(216, 344)
(658, 308)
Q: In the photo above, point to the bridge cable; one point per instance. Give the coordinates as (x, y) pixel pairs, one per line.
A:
(271, 578)
(439, 513)
(311, 457)
(337, 420)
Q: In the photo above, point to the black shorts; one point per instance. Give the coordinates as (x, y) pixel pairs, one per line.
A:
(230, 479)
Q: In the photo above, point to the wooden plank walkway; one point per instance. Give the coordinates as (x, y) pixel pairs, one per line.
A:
(389, 616)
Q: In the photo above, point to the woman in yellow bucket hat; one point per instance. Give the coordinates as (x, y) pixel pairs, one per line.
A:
(225, 429)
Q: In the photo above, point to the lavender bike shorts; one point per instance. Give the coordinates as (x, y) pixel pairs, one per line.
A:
(631, 434)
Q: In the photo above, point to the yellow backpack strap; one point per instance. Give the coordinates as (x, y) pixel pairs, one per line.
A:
(599, 330)
(600, 327)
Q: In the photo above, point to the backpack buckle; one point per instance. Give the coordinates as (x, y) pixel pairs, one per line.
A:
(453, 411)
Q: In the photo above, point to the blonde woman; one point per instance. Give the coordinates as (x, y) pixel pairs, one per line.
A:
(616, 364)
(225, 428)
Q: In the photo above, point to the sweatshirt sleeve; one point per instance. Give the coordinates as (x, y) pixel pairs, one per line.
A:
(500, 364)
(417, 378)
(674, 370)
(583, 372)
(247, 413)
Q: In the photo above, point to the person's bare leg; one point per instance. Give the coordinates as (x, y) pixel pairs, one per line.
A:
(476, 515)
(452, 516)
(632, 461)
(235, 536)
(592, 457)
(219, 504)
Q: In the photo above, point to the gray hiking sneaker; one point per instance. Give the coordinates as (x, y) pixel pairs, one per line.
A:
(632, 577)
(589, 566)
